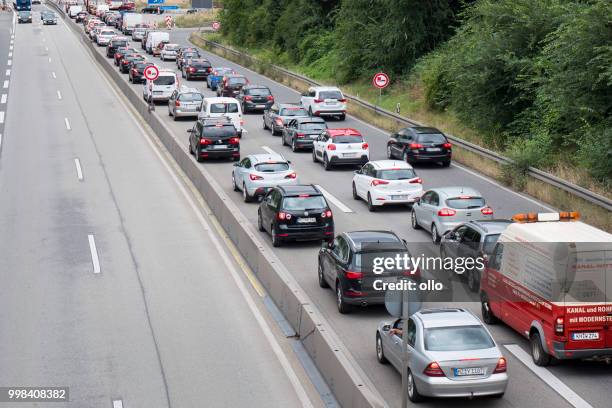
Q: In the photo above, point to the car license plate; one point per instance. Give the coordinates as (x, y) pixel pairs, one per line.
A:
(433, 149)
(585, 336)
(219, 147)
(260, 106)
(469, 371)
(306, 220)
(349, 154)
(399, 197)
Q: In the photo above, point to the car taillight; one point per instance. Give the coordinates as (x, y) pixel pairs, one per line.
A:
(234, 141)
(300, 135)
(255, 177)
(279, 122)
(191, 69)
(447, 145)
(417, 180)
(415, 146)
(134, 71)
(353, 275)
(364, 146)
(291, 176)
(433, 370)
(446, 212)
(487, 211)
(205, 141)
(501, 366)
(270, 98)
(331, 146)
(209, 69)
(177, 103)
(241, 122)
(117, 55)
(343, 100)
(559, 325)
(326, 214)
(377, 182)
(318, 100)
(248, 98)
(284, 216)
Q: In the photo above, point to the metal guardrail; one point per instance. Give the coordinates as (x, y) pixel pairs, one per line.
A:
(548, 178)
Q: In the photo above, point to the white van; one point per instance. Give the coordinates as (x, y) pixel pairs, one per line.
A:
(154, 40)
(74, 10)
(101, 8)
(229, 107)
(162, 88)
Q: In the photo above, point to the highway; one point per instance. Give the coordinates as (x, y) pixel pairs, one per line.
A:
(114, 282)
(156, 258)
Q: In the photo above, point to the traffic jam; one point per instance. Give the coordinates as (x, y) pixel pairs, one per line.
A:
(544, 275)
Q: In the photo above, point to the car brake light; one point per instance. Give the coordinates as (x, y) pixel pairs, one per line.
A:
(255, 177)
(417, 180)
(353, 275)
(205, 141)
(284, 216)
(331, 146)
(343, 100)
(234, 141)
(364, 146)
(279, 122)
(291, 176)
(559, 325)
(191, 69)
(501, 366)
(326, 214)
(377, 182)
(270, 98)
(433, 370)
(177, 103)
(209, 69)
(415, 146)
(300, 135)
(446, 212)
(248, 98)
(447, 145)
(318, 100)
(487, 211)
(241, 122)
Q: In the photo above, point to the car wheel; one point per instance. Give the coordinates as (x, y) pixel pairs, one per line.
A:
(355, 195)
(260, 226)
(435, 237)
(182, 73)
(169, 112)
(322, 282)
(540, 357)
(343, 307)
(174, 118)
(294, 147)
(310, 112)
(447, 163)
(501, 395)
(314, 155)
(245, 194)
(389, 153)
(413, 221)
(326, 163)
(283, 143)
(371, 207)
(472, 280)
(244, 109)
(207, 85)
(413, 393)
(380, 352)
(234, 183)
(275, 239)
(265, 126)
(485, 309)
(405, 157)
(199, 157)
(130, 79)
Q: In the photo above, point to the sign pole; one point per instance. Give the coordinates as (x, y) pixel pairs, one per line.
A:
(404, 348)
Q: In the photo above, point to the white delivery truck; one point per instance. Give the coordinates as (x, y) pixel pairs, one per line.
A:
(155, 39)
(101, 8)
(74, 10)
(129, 22)
(114, 4)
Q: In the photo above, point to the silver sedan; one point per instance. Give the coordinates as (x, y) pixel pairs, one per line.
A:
(450, 354)
(185, 102)
(257, 173)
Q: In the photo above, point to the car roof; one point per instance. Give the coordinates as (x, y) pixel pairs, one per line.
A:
(325, 88)
(220, 99)
(309, 119)
(447, 317)
(254, 86)
(390, 164)
(356, 238)
(186, 89)
(266, 157)
(343, 132)
(490, 226)
(289, 105)
(299, 189)
(424, 129)
(457, 191)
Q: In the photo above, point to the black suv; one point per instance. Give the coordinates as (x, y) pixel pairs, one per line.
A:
(301, 132)
(255, 97)
(347, 265)
(231, 85)
(114, 45)
(420, 144)
(195, 68)
(214, 138)
(295, 213)
(472, 239)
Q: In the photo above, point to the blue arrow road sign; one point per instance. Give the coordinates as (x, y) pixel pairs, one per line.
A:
(152, 2)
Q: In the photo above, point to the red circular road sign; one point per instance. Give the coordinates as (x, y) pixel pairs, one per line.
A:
(216, 25)
(151, 72)
(380, 80)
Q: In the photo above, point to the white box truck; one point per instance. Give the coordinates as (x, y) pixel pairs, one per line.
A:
(129, 22)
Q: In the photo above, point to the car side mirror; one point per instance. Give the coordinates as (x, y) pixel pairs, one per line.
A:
(386, 327)
(288, 161)
(236, 164)
(405, 242)
(417, 200)
(357, 172)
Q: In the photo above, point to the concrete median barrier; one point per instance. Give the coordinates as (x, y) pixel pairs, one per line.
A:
(350, 385)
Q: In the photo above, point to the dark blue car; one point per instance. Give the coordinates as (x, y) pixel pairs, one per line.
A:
(216, 76)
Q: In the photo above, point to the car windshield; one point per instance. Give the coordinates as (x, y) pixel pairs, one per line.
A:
(459, 338)
(397, 174)
(237, 81)
(465, 203)
(304, 203)
(224, 108)
(259, 91)
(271, 167)
(330, 95)
(191, 97)
(489, 243)
(164, 80)
(313, 126)
(432, 138)
(347, 139)
(293, 112)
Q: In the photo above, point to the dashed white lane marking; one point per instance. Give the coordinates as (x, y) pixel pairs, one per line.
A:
(67, 124)
(49, 59)
(10, 54)
(334, 200)
(546, 376)
(77, 164)
(53, 75)
(94, 254)
(46, 48)
(11, 47)
(59, 95)
(10, 62)
(6, 84)
(0, 141)
(117, 404)
(269, 150)
(1, 117)
(8, 72)
(3, 98)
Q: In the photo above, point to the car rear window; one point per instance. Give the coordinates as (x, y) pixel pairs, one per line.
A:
(347, 139)
(164, 80)
(330, 95)
(459, 338)
(224, 108)
(312, 126)
(200, 64)
(259, 91)
(314, 202)
(398, 174)
(293, 112)
(190, 97)
(465, 203)
(272, 167)
(117, 43)
(219, 131)
(431, 138)
(237, 81)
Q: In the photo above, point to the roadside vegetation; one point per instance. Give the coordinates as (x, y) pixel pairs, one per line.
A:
(202, 18)
(529, 78)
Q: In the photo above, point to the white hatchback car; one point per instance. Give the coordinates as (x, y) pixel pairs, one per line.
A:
(162, 88)
(324, 101)
(221, 106)
(169, 52)
(386, 182)
(257, 173)
(340, 146)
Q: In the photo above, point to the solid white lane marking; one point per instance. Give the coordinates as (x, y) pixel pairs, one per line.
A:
(53, 75)
(330, 197)
(546, 376)
(6, 84)
(117, 404)
(94, 253)
(4, 98)
(269, 150)
(59, 95)
(1, 117)
(79, 170)
(8, 72)
(10, 62)
(67, 124)
(0, 141)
